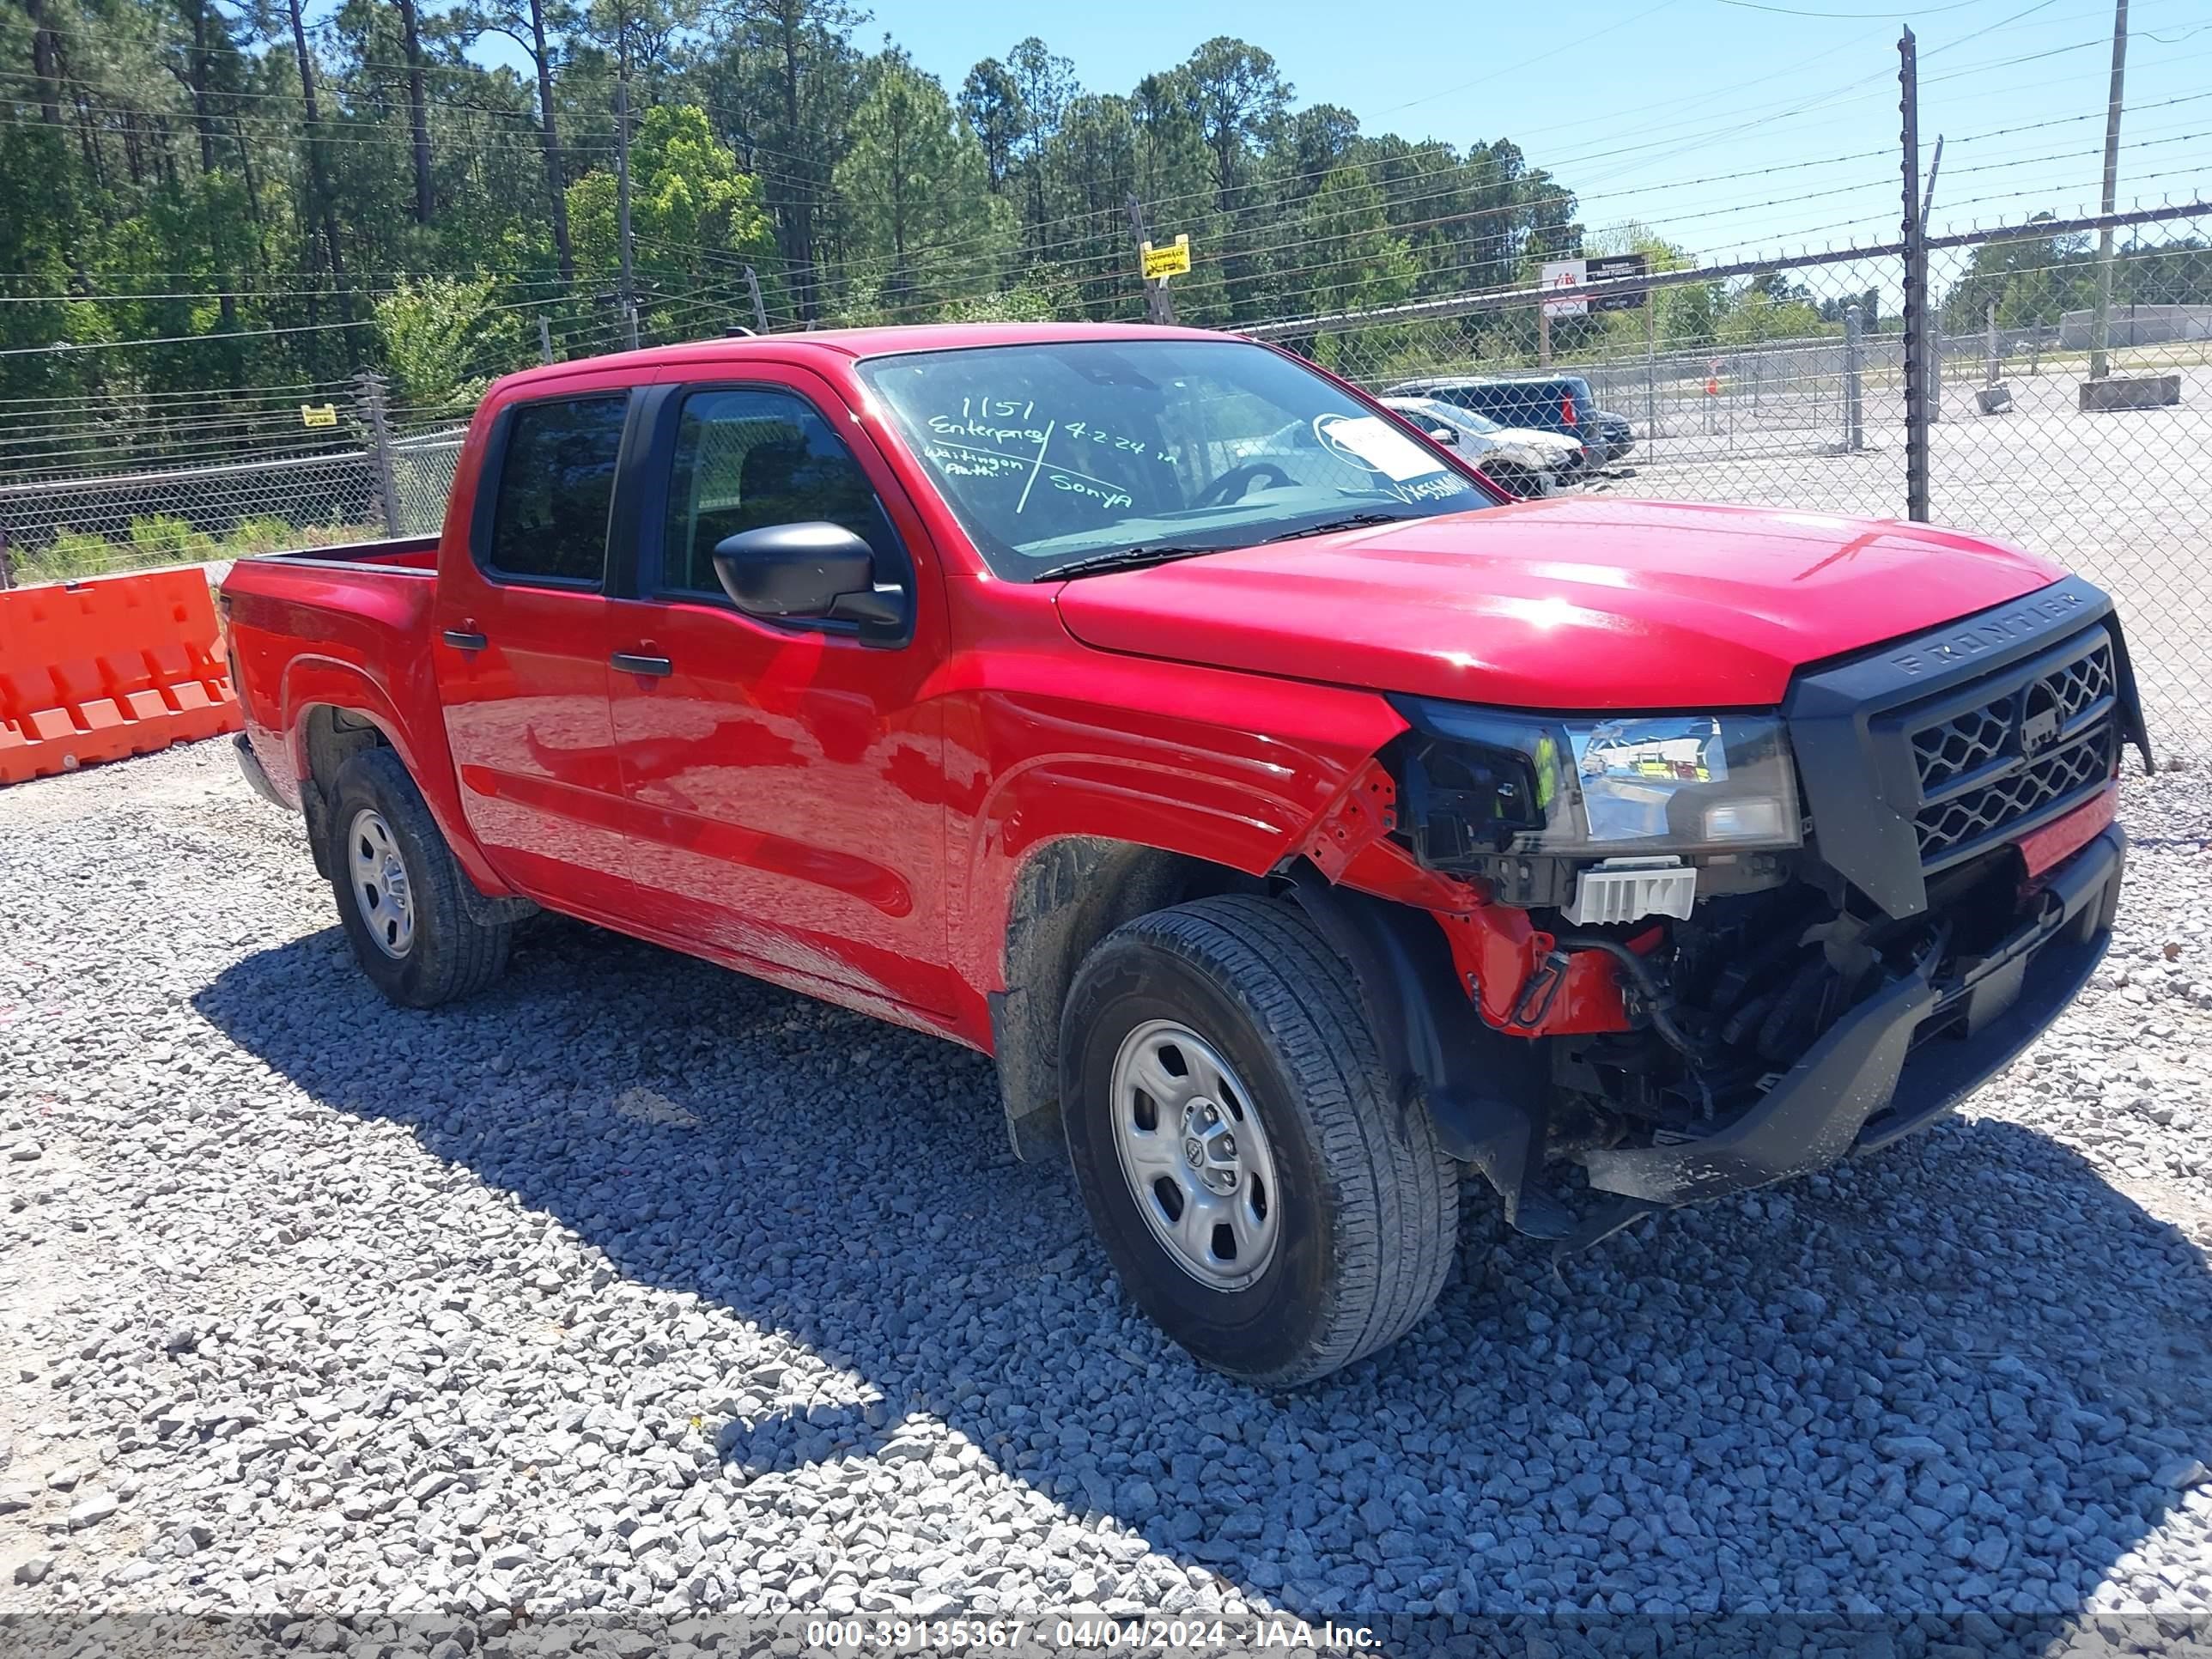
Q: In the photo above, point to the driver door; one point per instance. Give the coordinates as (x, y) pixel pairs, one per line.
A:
(782, 780)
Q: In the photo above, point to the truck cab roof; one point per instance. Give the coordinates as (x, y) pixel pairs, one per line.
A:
(850, 343)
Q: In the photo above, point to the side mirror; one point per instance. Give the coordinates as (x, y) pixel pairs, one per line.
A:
(811, 571)
(1445, 435)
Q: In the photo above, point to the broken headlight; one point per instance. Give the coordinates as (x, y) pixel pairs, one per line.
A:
(1482, 782)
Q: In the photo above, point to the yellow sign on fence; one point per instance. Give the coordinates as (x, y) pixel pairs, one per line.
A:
(1173, 260)
(318, 414)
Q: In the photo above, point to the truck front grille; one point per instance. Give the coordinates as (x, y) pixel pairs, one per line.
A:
(1982, 813)
(2026, 745)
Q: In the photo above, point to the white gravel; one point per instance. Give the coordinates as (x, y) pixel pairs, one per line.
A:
(638, 1285)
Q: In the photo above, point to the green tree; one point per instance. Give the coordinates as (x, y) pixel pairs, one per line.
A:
(2034, 279)
(444, 341)
(1352, 263)
(924, 225)
(697, 219)
(991, 105)
(785, 79)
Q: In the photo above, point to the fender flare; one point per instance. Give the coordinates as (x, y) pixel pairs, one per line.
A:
(311, 682)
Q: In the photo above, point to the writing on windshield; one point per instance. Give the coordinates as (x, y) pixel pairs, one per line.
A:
(1005, 440)
(1057, 451)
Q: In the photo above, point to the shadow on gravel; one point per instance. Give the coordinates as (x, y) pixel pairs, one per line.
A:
(1951, 1376)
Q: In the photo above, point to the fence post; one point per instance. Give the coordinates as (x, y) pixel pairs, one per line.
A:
(7, 570)
(371, 385)
(1915, 288)
(545, 340)
(1650, 365)
(1854, 386)
(1158, 307)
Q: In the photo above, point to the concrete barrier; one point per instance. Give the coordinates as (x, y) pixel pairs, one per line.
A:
(2131, 391)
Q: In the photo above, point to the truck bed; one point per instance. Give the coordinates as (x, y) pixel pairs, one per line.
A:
(395, 553)
(343, 626)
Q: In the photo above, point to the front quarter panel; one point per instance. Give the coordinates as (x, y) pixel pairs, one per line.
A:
(1046, 739)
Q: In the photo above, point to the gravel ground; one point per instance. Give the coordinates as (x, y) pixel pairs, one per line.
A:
(638, 1285)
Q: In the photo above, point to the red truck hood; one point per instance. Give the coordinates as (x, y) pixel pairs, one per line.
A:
(1574, 603)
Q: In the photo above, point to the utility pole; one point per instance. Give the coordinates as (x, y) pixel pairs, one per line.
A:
(626, 298)
(760, 307)
(1158, 307)
(544, 339)
(2100, 324)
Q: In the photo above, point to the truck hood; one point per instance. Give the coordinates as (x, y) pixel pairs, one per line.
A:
(1569, 603)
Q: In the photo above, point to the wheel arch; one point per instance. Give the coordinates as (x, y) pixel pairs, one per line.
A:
(1484, 1090)
(1069, 893)
(326, 735)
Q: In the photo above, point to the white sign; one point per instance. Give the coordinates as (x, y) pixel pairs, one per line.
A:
(1567, 274)
(1369, 442)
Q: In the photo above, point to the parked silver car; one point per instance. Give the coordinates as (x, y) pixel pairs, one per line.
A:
(1519, 458)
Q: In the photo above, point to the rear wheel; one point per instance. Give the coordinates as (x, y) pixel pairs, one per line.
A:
(1238, 1148)
(398, 889)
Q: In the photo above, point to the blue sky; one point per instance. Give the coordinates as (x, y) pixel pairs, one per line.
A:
(1733, 128)
(1730, 129)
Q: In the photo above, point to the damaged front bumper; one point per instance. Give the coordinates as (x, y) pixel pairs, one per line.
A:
(1896, 1062)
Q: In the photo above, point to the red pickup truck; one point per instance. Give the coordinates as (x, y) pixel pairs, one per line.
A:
(1296, 819)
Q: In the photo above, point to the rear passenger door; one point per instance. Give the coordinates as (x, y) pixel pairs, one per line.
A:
(519, 644)
(784, 779)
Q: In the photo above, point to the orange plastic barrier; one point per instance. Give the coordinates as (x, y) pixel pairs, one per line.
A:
(94, 671)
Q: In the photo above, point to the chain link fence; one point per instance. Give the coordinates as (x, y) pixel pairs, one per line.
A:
(89, 504)
(1785, 384)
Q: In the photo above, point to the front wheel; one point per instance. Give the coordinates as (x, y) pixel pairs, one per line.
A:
(1238, 1148)
(398, 889)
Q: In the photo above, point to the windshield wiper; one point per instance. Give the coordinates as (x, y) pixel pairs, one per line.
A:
(1354, 521)
(1122, 558)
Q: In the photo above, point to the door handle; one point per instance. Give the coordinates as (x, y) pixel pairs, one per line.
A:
(461, 640)
(631, 663)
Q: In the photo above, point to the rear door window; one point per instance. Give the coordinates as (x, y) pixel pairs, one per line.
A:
(557, 484)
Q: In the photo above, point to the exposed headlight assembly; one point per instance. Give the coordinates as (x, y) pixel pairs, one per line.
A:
(1482, 782)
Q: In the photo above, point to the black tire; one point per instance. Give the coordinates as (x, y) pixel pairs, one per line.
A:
(1367, 1204)
(1516, 479)
(450, 954)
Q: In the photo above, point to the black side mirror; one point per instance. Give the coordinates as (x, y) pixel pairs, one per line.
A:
(811, 571)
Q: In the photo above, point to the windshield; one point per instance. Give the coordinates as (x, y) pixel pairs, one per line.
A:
(1055, 453)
